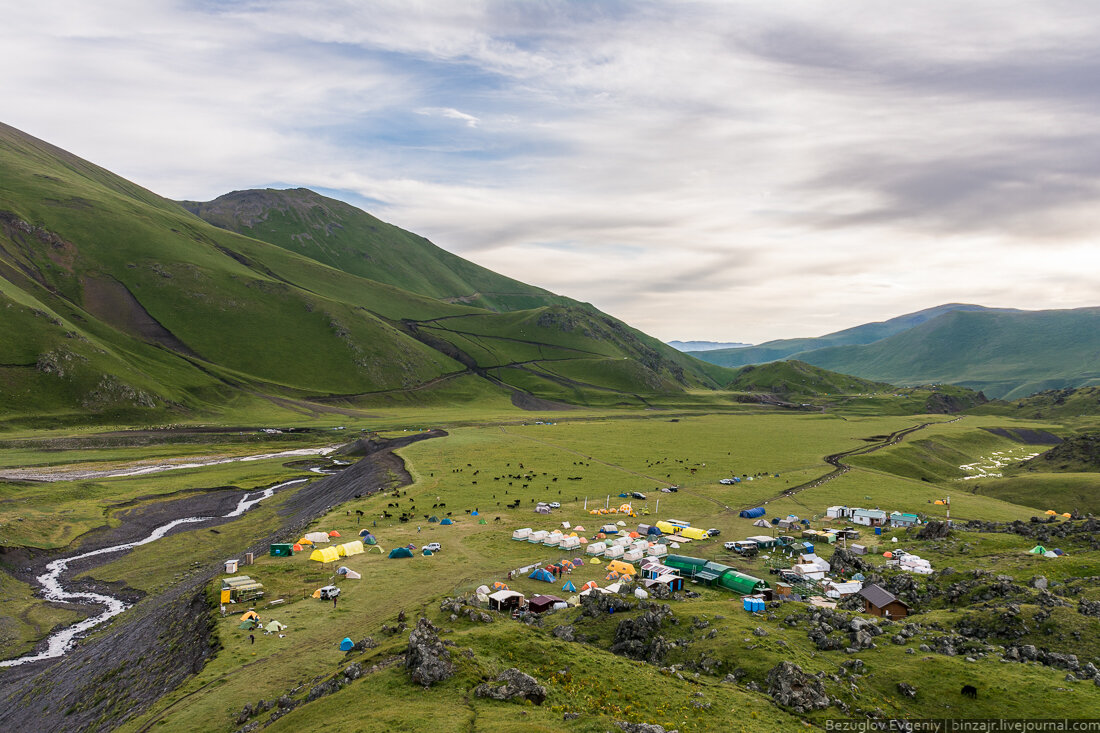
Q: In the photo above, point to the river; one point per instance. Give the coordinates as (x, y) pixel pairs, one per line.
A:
(52, 590)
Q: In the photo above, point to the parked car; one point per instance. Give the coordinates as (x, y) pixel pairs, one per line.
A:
(712, 532)
(433, 546)
(674, 488)
(555, 505)
(730, 546)
(329, 592)
(637, 495)
(726, 481)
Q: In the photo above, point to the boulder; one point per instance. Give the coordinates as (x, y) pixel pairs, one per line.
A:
(426, 659)
(512, 684)
(642, 727)
(791, 687)
(907, 689)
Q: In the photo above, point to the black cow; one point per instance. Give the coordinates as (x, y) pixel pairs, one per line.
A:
(969, 691)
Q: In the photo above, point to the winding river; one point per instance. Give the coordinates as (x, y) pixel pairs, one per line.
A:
(52, 590)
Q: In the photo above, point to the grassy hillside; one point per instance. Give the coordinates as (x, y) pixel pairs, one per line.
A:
(864, 334)
(121, 302)
(1004, 354)
(1050, 404)
(353, 241)
(799, 378)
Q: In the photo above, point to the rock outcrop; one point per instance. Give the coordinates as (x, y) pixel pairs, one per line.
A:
(426, 659)
(512, 684)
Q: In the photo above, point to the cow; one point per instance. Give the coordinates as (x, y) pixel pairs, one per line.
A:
(969, 691)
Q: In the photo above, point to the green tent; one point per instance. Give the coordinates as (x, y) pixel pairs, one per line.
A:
(1037, 550)
(482, 521)
(433, 519)
(248, 623)
(370, 540)
(427, 552)
(400, 552)
(275, 626)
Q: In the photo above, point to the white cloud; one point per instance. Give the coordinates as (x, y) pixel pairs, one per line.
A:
(725, 170)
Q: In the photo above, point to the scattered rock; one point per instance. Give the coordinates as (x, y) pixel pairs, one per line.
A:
(791, 687)
(907, 689)
(512, 684)
(426, 659)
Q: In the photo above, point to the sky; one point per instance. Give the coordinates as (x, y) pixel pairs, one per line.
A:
(731, 171)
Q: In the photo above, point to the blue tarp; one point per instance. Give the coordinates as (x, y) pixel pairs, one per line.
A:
(752, 513)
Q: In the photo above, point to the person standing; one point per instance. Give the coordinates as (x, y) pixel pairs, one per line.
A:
(334, 599)
(251, 638)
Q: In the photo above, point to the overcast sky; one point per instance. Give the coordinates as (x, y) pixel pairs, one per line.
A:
(703, 170)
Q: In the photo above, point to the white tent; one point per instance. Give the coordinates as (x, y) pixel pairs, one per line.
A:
(565, 525)
(633, 555)
(613, 553)
(553, 539)
(316, 537)
(570, 543)
(809, 571)
(622, 541)
(352, 575)
(596, 548)
(537, 537)
(482, 590)
(521, 534)
(657, 551)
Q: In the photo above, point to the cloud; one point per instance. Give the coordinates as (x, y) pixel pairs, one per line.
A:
(728, 170)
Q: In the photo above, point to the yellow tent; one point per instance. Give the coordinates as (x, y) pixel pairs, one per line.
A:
(304, 541)
(1067, 515)
(593, 561)
(350, 548)
(325, 554)
(694, 533)
(249, 614)
(1051, 512)
(666, 527)
(622, 568)
(316, 593)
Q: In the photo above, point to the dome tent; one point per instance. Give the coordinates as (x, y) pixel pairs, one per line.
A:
(446, 520)
(400, 552)
(347, 645)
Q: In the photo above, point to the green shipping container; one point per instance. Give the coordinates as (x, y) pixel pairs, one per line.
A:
(282, 550)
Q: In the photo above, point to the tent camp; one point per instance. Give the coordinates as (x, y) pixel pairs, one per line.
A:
(316, 537)
(325, 554)
(346, 645)
(541, 574)
(446, 520)
(400, 552)
(350, 548)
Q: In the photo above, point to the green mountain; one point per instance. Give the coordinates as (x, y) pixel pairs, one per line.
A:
(864, 334)
(797, 378)
(1075, 454)
(116, 299)
(351, 240)
(1003, 353)
(1049, 404)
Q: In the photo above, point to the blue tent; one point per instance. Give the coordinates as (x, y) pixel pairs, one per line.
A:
(473, 513)
(542, 574)
(806, 522)
(347, 645)
(623, 496)
(446, 520)
(569, 586)
(364, 532)
(653, 531)
(427, 552)
(400, 552)
(752, 513)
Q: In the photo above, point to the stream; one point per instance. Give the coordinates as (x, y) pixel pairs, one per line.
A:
(62, 641)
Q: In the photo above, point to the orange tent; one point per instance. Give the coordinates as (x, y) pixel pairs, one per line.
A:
(500, 586)
(334, 533)
(589, 585)
(297, 548)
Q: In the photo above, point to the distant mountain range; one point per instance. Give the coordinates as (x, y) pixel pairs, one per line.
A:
(119, 302)
(1005, 353)
(705, 345)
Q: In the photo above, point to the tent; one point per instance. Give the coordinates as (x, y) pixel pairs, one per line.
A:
(473, 513)
(1058, 552)
(752, 513)
(1037, 550)
(594, 561)
(578, 528)
(482, 521)
(250, 615)
(297, 548)
(347, 645)
(343, 570)
(653, 531)
(249, 624)
(1067, 515)
(577, 562)
(622, 568)
(569, 587)
(281, 550)
(433, 519)
(589, 585)
(274, 625)
(640, 594)
(1050, 553)
(316, 537)
(762, 523)
(410, 546)
(373, 546)
(352, 575)
(364, 532)
(542, 574)
(370, 540)
(500, 586)
(305, 541)
(400, 552)
(1050, 512)
(325, 554)
(427, 552)
(482, 590)
(334, 533)
(694, 533)
(447, 520)
(350, 548)
(612, 576)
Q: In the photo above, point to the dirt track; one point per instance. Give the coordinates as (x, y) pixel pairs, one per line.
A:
(151, 649)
